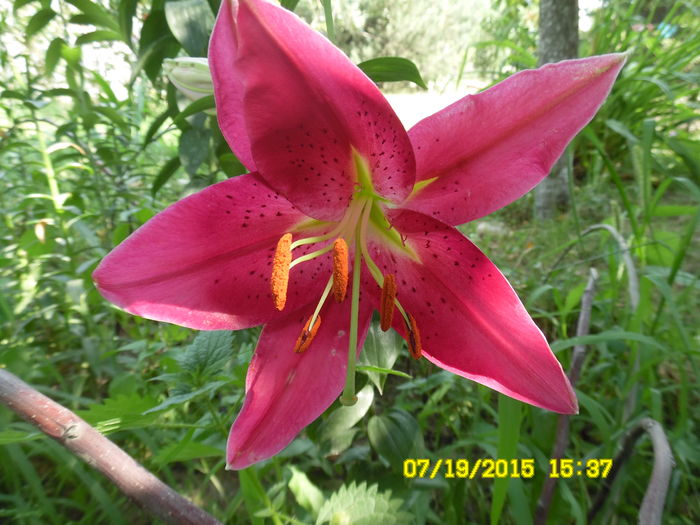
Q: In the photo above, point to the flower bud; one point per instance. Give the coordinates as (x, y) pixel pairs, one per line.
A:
(190, 75)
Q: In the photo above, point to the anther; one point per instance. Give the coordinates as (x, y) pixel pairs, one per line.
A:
(340, 269)
(386, 303)
(280, 271)
(307, 335)
(414, 346)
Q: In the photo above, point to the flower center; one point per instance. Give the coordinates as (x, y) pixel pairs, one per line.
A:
(366, 210)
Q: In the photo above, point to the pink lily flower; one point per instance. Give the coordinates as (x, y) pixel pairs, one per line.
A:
(339, 195)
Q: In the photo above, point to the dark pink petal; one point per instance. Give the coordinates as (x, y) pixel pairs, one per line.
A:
(228, 86)
(305, 108)
(489, 149)
(204, 262)
(470, 320)
(286, 391)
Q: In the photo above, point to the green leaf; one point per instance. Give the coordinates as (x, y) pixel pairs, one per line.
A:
(53, 54)
(94, 14)
(101, 35)
(362, 505)
(395, 436)
(254, 495)
(605, 337)
(179, 399)
(165, 173)
(306, 493)
(17, 436)
(127, 11)
(191, 22)
(290, 4)
(201, 104)
(392, 69)
(208, 353)
(38, 22)
(194, 149)
(120, 413)
(154, 127)
(186, 450)
(379, 355)
(156, 43)
(337, 426)
(509, 418)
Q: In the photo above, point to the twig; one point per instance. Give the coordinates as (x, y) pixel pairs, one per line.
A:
(651, 511)
(562, 435)
(80, 438)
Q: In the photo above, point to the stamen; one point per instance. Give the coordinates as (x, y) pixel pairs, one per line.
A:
(280, 271)
(307, 334)
(340, 269)
(386, 304)
(414, 346)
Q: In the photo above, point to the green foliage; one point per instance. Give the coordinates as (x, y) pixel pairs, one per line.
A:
(361, 505)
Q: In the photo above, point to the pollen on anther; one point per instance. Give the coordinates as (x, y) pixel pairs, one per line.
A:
(280, 271)
(340, 269)
(307, 335)
(414, 345)
(386, 303)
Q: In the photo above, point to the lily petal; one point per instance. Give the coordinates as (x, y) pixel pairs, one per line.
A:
(286, 391)
(306, 108)
(228, 85)
(487, 150)
(471, 322)
(204, 262)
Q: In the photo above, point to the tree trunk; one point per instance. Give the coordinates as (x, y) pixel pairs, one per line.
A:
(558, 28)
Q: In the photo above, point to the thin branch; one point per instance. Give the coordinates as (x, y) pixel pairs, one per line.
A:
(80, 438)
(562, 435)
(651, 511)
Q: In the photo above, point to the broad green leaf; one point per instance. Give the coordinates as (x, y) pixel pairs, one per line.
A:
(194, 149)
(337, 427)
(208, 353)
(191, 21)
(53, 53)
(305, 492)
(392, 69)
(380, 352)
(395, 436)
(38, 22)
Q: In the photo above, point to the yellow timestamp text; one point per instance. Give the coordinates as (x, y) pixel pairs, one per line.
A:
(503, 468)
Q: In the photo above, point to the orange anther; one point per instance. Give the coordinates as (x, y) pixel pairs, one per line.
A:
(414, 346)
(386, 303)
(340, 269)
(280, 271)
(307, 335)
